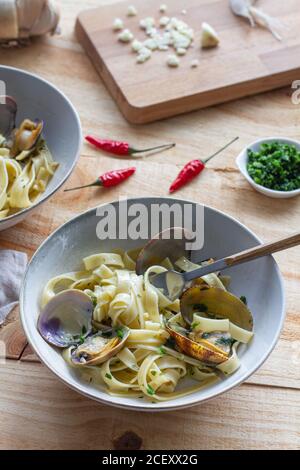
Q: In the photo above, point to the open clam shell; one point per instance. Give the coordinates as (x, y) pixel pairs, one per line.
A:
(99, 347)
(220, 303)
(66, 319)
(208, 355)
(214, 347)
(26, 136)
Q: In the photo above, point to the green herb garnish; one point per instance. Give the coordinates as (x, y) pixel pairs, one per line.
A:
(243, 299)
(108, 376)
(161, 350)
(205, 335)
(275, 166)
(94, 300)
(150, 390)
(225, 341)
(120, 333)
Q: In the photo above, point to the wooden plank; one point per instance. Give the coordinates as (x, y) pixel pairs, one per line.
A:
(12, 337)
(28, 355)
(250, 416)
(143, 92)
(279, 369)
(54, 417)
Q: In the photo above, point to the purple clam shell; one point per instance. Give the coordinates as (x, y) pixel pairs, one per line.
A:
(66, 318)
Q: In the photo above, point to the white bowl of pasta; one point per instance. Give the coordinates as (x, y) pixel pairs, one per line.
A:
(149, 373)
(32, 170)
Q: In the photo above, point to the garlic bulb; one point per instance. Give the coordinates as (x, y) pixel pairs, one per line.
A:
(21, 19)
(256, 16)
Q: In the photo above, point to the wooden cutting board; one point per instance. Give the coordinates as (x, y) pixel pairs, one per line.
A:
(248, 60)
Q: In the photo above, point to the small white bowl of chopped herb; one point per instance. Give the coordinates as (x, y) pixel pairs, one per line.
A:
(272, 166)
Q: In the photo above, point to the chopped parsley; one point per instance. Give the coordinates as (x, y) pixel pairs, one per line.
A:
(161, 350)
(224, 341)
(120, 333)
(150, 390)
(276, 165)
(205, 335)
(94, 300)
(194, 324)
(243, 299)
(153, 372)
(81, 337)
(108, 376)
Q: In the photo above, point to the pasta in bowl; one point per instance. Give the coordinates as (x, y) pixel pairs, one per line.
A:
(131, 340)
(76, 240)
(26, 166)
(33, 114)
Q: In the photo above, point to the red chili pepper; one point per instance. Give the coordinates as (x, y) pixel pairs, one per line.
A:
(192, 169)
(111, 178)
(121, 148)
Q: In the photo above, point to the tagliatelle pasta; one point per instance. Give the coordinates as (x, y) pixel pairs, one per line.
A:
(23, 177)
(149, 365)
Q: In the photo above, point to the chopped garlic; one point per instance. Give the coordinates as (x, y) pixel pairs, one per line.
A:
(136, 45)
(151, 44)
(209, 37)
(118, 24)
(151, 32)
(181, 51)
(194, 63)
(131, 10)
(164, 20)
(163, 8)
(143, 55)
(180, 40)
(173, 60)
(125, 36)
(147, 23)
(183, 12)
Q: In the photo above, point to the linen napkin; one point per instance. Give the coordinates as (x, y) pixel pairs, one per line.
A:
(12, 269)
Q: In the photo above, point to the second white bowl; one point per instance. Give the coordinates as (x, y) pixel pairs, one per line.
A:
(37, 98)
(242, 161)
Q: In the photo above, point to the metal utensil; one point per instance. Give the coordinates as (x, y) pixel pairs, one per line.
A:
(172, 283)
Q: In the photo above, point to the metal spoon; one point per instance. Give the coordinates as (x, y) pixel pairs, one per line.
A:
(172, 283)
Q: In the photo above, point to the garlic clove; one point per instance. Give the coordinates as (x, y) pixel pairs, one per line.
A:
(209, 37)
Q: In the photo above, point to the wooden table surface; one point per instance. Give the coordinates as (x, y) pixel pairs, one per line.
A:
(37, 410)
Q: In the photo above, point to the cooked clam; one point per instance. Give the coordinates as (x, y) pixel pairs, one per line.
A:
(99, 347)
(209, 302)
(26, 136)
(66, 319)
(200, 349)
(218, 302)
